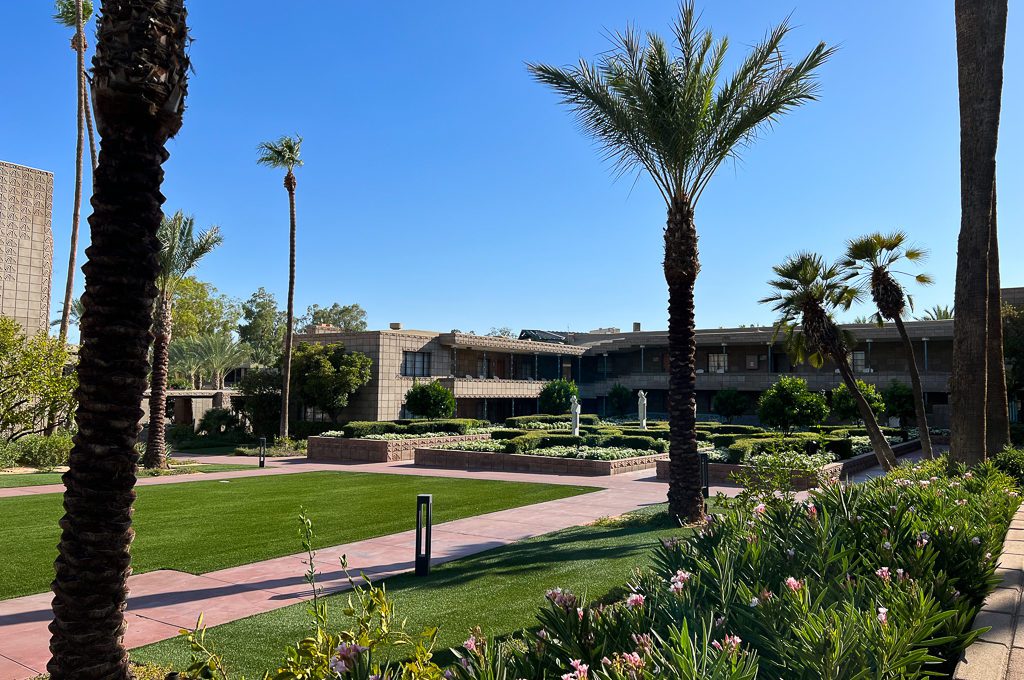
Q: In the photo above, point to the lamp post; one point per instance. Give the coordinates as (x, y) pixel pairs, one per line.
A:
(424, 507)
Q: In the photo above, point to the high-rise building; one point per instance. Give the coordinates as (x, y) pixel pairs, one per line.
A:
(26, 245)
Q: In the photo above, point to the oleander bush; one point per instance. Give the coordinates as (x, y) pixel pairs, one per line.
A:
(43, 452)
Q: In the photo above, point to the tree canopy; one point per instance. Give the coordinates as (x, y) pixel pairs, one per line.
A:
(430, 400)
(325, 376)
(556, 396)
(199, 309)
(788, 404)
(844, 408)
(262, 327)
(349, 318)
(34, 385)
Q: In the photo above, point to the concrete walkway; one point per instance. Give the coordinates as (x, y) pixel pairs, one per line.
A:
(162, 602)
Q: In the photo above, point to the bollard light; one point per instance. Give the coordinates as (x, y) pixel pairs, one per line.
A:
(263, 451)
(704, 475)
(424, 506)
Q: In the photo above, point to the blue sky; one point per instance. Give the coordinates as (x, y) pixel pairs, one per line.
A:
(445, 189)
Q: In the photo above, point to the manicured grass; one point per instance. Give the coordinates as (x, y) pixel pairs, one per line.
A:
(501, 590)
(199, 527)
(42, 478)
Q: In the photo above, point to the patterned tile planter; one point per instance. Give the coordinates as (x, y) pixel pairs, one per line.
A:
(341, 449)
(515, 462)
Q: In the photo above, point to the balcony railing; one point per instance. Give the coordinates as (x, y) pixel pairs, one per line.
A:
(493, 388)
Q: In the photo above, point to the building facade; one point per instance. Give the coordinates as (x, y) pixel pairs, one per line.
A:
(26, 245)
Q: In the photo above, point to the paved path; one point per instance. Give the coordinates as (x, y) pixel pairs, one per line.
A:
(162, 602)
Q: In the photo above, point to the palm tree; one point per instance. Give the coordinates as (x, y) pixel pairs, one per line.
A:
(808, 292)
(184, 361)
(218, 353)
(677, 118)
(997, 407)
(75, 316)
(136, 113)
(74, 14)
(284, 154)
(980, 44)
(874, 257)
(936, 313)
(180, 251)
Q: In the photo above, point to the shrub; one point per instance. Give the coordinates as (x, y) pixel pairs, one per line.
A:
(259, 401)
(218, 421)
(899, 401)
(44, 452)
(1017, 434)
(358, 429)
(845, 408)
(730, 403)
(8, 454)
(555, 396)
(629, 442)
(430, 400)
(620, 401)
(788, 404)
(1011, 462)
(521, 421)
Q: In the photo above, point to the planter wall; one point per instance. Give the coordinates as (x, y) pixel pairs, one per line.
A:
(515, 462)
(341, 449)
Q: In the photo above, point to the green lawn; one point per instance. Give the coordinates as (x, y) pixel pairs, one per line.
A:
(41, 478)
(500, 590)
(203, 526)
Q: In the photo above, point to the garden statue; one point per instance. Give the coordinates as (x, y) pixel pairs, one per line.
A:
(574, 409)
(641, 407)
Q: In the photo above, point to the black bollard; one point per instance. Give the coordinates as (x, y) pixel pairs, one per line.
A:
(704, 486)
(424, 506)
(263, 451)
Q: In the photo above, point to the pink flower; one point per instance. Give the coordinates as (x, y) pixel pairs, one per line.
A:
(812, 511)
(678, 581)
(883, 615)
(760, 509)
(470, 644)
(731, 643)
(793, 584)
(883, 573)
(635, 600)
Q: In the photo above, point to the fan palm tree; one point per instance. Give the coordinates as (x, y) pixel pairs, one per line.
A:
(284, 154)
(74, 14)
(180, 251)
(136, 113)
(980, 45)
(936, 313)
(678, 118)
(873, 258)
(218, 353)
(808, 293)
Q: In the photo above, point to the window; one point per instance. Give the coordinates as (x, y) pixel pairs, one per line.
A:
(415, 363)
(859, 361)
(753, 362)
(718, 363)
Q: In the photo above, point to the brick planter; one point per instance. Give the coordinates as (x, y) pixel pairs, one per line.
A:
(515, 462)
(342, 449)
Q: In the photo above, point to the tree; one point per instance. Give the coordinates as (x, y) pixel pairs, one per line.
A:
(1013, 346)
(936, 313)
(556, 396)
(788, 404)
(74, 14)
(75, 316)
(217, 354)
(899, 401)
(34, 386)
(197, 308)
(730, 403)
(140, 72)
(180, 251)
(262, 328)
(620, 401)
(808, 292)
(184, 361)
(670, 116)
(285, 154)
(844, 406)
(875, 257)
(980, 44)
(501, 332)
(259, 400)
(430, 400)
(349, 318)
(325, 376)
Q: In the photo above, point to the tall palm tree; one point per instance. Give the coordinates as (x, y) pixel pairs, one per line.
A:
(678, 118)
(808, 292)
(980, 44)
(74, 14)
(184, 361)
(874, 257)
(937, 313)
(76, 313)
(997, 406)
(218, 353)
(180, 251)
(140, 72)
(284, 154)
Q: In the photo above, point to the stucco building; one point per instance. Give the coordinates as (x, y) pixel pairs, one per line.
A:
(26, 245)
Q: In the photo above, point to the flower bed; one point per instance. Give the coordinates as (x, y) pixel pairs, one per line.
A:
(349, 450)
(541, 461)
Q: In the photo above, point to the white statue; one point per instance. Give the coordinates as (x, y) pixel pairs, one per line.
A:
(574, 409)
(641, 406)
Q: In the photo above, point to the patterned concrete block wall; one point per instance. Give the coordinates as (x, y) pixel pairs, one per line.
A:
(26, 245)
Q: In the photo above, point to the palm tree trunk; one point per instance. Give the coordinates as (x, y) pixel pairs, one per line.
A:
(87, 108)
(685, 500)
(135, 115)
(156, 443)
(915, 384)
(980, 41)
(286, 362)
(69, 287)
(883, 451)
(997, 427)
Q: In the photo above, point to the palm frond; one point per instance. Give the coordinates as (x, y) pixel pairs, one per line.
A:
(65, 12)
(285, 153)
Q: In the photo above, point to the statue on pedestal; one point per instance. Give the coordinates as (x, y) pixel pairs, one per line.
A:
(641, 406)
(574, 409)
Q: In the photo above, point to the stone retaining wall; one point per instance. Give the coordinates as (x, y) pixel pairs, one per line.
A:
(515, 462)
(998, 654)
(342, 449)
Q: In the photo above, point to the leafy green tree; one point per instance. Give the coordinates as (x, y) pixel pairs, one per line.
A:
(197, 308)
(808, 293)
(675, 117)
(899, 401)
(730, 403)
(875, 258)
(501, 332)
(349, 318)
(34, 387)
(788, 404)
(325, 376)
(285, 154)
(620, 401)
(262, 328)
(259, 400)
(430, 400)
(555, 397)
(845, 408)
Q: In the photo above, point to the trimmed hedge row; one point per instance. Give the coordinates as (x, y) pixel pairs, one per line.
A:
(360, 428)
(519, 421)
(530, 441)
(838, 446)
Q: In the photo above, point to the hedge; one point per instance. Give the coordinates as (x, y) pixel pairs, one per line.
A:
(519, 421)
(751, 446)
(360, 428)
(539, 439)
(528, 442)
(628, 442)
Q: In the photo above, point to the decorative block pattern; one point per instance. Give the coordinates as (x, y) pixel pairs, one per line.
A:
(26, 245)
